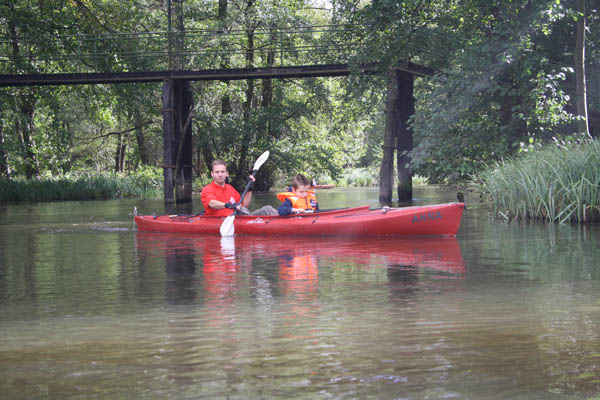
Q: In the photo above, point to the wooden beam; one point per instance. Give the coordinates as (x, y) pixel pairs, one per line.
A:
(300, 71)
(168, 111)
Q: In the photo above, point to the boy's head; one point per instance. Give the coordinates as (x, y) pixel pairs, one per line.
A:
(300, 185)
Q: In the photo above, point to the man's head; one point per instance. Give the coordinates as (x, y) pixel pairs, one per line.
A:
(219, 172)
(300, 185)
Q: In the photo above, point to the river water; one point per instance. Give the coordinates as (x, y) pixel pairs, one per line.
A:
(90, 308)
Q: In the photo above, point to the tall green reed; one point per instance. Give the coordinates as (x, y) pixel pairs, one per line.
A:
(80, 187)
(555, 184)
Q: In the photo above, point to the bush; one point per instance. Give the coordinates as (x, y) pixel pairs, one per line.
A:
(360, 177)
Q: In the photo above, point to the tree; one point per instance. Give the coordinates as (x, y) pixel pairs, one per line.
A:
(499, 69)
(503, 83)
(4, 168)
(581, 102)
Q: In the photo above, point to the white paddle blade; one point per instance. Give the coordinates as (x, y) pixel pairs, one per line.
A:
(228, 247)
(261, 160)
(227, 228)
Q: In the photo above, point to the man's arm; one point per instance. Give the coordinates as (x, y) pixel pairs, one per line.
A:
(217, 205)
(248, 197)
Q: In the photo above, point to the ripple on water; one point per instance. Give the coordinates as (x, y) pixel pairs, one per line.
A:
(91, 309)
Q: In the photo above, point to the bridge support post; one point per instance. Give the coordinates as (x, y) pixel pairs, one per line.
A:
(177, 141)
(399, 106)
(406, 108)
(168, 112)
(183, 141)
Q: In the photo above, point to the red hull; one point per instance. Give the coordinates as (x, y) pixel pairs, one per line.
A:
(439, 219)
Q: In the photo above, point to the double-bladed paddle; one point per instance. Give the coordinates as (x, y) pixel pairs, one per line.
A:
(227, 228)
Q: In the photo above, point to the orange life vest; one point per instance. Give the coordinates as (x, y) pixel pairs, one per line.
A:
(306, 203)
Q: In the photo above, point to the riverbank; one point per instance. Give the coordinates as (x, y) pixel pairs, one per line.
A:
(145, 183)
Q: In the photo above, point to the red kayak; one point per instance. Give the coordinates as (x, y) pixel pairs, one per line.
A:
(439, 219)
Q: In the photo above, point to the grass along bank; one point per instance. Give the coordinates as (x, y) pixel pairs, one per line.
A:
(144, 183)
(556, 184)
(81, 187)
(369, 177)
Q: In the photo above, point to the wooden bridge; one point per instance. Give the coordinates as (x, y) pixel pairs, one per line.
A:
(176, 58)
(221, 74)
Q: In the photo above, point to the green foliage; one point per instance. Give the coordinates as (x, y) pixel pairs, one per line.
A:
(502, 91)
(312, 126)
(558, 183)
(504, 85)
(457, 135)
(360, 177)
(146, 183)
(368, 177)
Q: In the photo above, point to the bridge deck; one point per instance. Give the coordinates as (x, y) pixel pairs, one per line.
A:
(302, 71)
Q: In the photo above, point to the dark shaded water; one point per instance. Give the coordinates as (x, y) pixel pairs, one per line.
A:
(90, 308)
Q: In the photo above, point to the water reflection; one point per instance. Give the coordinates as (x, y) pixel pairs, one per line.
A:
(180, 266)
(282, 266)
(90, 308)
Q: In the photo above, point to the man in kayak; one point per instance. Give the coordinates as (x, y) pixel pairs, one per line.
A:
(300, 199)
(219, 197)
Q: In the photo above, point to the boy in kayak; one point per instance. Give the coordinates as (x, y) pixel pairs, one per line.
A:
(220, 198)
(300, 199)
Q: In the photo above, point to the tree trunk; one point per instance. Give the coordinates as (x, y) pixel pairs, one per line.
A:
(205, 148)
(26, 127)
(267, 87)
(222, 9)
(120, 155)
(25, 105)
(386, 172)
(267, 84)
(178, 39)
(265, 178)
(406, 108)
(581, 90)
(222, 17)
(207, 155)
(168, 111)
(4, 168)
(514, 127)
(140, 138)
(241, 166)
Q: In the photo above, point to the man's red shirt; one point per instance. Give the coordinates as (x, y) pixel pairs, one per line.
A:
(226, 193)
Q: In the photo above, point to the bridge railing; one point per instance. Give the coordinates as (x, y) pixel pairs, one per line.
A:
(188, 50)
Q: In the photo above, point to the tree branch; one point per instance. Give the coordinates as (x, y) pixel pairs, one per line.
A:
(124, 132)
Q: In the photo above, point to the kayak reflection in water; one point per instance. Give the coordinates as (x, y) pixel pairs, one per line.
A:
(299, 284)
